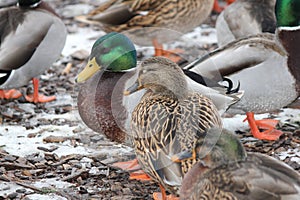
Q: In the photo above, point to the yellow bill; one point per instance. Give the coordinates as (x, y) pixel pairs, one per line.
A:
(90, 69)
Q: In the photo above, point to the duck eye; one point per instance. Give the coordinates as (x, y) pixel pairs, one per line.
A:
(91, 65)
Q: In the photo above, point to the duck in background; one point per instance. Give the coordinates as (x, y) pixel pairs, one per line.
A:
(148, 22)
(169, 119)
(226, 171)
(267, 66)
(244, 18)
(32, 38)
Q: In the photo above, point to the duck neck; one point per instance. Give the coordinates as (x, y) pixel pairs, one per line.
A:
(176, 93)
(45, 6)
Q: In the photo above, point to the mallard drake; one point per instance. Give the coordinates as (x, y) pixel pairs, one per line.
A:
(244, 18)
(266, 66)
(148, 22)
(112, 56)
(28, 34)
(168, 119)
(226, 171)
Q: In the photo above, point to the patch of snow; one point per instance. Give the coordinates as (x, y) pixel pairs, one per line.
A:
(75, 10)
(15, 140)
(52, 183)
(294, 153)
(45, 197)
(8, 188)
(83, 39)
(201, 35)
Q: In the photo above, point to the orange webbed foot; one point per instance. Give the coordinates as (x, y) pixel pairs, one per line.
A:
(133, 165)
(10, 94)
(36, 97)
(270, 134)
(217, 8)
(171, 54)
(40, 98)
(128, 165)
(139, 175)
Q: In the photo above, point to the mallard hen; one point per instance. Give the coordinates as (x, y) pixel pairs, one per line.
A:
(148, 22)
(169, 119)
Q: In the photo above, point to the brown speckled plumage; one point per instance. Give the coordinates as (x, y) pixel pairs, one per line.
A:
(167, 122)
(144, 20)
(172, 14)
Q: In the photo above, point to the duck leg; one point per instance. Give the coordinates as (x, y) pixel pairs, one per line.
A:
(270, 134)
(217, 8)
(10, 94)
(162, 195)
(36, 97)
(133, 165)
(170, 54)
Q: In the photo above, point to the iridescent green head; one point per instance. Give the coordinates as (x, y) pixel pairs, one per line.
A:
(113, 52)
(227, 147)
(29, 3)
(287, 12)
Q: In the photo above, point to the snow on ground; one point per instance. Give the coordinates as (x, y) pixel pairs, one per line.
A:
(16, 141)
(83, 39)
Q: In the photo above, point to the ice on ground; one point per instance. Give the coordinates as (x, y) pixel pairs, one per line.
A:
(52, 182)
(83, 39)
(45, 197)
